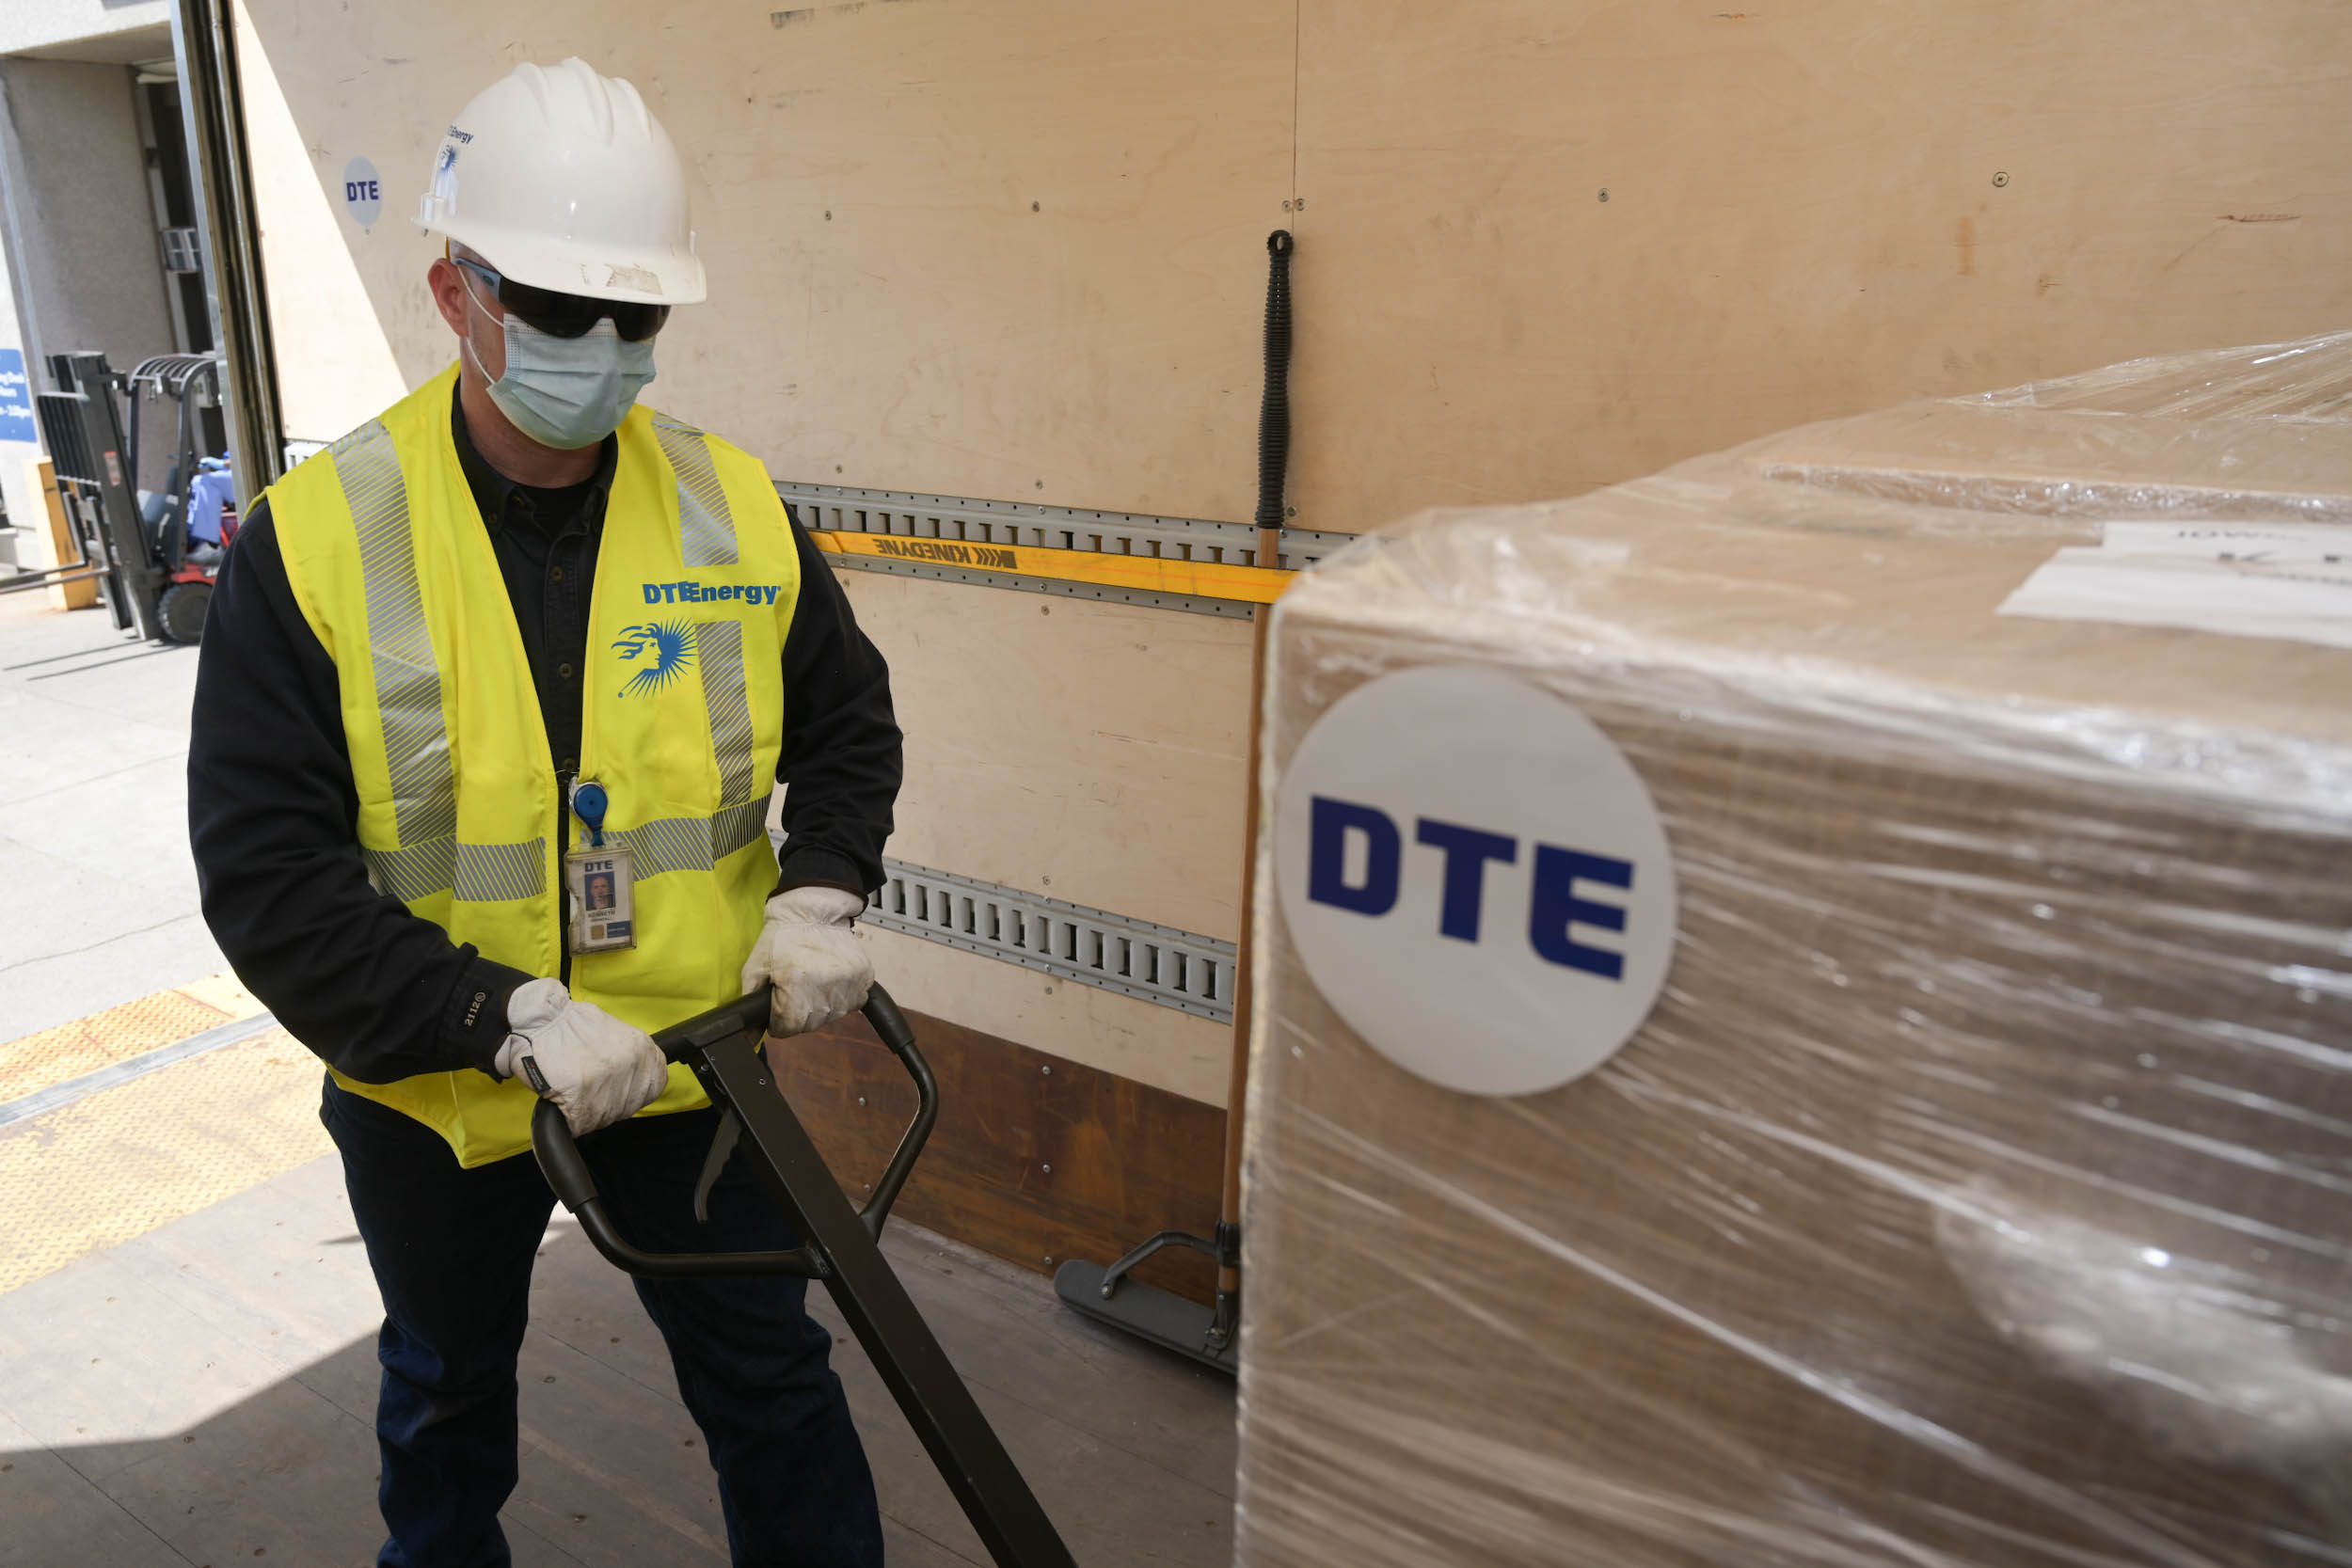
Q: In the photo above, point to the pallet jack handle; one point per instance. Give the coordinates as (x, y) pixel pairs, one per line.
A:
(842, 1252)
(568, 1171)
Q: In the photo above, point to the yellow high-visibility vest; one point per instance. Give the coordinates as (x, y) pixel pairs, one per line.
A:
(683, 714)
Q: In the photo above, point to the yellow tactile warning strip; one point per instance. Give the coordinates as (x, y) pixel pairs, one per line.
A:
(225, 992)
(117, 1165)
(69, 1051)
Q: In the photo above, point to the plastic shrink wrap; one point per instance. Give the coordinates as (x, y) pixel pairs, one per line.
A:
(1978, 1189)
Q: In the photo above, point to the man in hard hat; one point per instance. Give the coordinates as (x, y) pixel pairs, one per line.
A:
(516, 632)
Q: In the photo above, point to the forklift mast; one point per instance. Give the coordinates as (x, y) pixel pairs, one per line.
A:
(82, 424)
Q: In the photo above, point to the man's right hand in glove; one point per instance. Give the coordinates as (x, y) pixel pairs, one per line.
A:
(597, 1070)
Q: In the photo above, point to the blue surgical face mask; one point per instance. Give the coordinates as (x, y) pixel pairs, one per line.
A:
(567, 392)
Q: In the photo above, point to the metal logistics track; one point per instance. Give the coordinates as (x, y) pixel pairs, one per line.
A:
(1193, 564)
(1176, 969)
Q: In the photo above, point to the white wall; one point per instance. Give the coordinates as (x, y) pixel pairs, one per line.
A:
(83, 248)
(335, 367)
(26, 506)
(85, 30)
(115, 31)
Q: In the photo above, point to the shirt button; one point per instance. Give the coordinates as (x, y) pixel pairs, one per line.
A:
(569, 765)
(555, 574)
(564, 670)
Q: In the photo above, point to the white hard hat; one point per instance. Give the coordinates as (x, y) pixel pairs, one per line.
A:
(563, 179)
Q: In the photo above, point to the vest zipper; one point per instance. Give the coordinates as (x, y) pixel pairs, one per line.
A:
(563, 886)
(589, 665)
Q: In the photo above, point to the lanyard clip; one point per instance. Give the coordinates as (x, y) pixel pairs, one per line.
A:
(589, 804)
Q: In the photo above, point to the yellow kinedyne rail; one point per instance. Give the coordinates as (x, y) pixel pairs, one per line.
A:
(1142, 573)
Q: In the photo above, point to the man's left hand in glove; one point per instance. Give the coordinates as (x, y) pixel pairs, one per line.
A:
(809, 952)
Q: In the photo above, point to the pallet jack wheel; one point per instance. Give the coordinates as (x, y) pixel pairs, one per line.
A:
(181, 610)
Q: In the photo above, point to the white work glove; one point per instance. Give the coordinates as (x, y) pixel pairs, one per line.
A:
(809, 952)
(597, 1070)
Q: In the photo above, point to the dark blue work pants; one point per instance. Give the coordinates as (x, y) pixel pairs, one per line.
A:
(452, 1249)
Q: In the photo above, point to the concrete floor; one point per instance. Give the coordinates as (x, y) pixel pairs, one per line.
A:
(186, 1354)
(205, 1394)
(101, 905)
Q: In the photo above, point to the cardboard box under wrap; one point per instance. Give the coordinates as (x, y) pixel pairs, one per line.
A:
(1980, 1189)
(2247, 435)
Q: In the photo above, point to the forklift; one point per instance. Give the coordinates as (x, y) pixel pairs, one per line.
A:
(136, 549)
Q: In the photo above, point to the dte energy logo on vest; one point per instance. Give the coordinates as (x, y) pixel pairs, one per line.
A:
(711, 593)
(660, 650)
(1475, 879)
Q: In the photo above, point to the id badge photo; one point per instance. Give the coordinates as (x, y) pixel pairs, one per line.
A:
(602, 884)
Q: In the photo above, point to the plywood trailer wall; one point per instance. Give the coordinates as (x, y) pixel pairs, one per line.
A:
(1002, 250)
(1013, 249)
(1090, 752)
(1009, 248)
(1548, 246)
(1006, 249)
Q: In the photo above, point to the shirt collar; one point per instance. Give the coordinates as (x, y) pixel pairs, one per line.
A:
(492, 489)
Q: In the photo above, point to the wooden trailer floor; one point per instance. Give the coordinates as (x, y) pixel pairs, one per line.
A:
(202, 1394)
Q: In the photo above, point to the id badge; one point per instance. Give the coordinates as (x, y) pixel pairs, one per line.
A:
(602, 883)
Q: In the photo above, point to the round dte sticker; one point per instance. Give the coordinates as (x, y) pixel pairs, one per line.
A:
(363, 192)
(1476, 878)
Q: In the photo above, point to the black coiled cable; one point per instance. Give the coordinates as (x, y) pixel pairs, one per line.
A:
(1274, 414)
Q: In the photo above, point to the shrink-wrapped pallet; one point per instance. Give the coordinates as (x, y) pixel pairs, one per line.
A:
(1805, 1005)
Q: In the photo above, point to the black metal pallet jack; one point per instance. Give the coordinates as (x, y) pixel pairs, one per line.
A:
(840, 1250)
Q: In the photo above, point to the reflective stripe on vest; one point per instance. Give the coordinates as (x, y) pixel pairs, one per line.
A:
(706, 528)
(408, 698)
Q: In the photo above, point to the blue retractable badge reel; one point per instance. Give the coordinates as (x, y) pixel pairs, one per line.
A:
(589, 803)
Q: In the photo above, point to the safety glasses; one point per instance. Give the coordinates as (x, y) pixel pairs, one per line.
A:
(567, 315)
